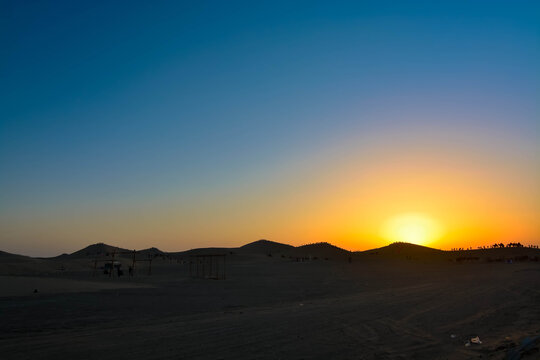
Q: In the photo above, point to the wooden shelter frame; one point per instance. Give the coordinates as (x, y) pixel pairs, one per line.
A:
(134, 260)
(208, 266)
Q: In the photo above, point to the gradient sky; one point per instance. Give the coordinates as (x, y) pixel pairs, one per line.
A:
(194, 124)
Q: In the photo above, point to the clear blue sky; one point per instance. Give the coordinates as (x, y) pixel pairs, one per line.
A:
(112, 106)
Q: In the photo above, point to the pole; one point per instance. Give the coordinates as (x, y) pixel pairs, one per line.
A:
(112, 264)
(95, 266)
(133, 264)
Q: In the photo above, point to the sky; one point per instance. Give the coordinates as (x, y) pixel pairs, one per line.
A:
(193, 124)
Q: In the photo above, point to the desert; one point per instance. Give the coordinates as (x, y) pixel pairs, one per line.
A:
(276, 301)
(287, 180)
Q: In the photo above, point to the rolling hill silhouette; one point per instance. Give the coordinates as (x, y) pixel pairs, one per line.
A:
(99, 249)
(322, 250)
(5, 256)
(405, 249)
(265, 246)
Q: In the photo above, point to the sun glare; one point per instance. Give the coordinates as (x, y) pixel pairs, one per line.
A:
(412, 228)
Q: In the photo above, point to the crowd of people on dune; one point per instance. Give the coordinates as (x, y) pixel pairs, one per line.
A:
(497, 246)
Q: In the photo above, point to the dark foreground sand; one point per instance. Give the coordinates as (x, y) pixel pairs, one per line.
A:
(273, 308)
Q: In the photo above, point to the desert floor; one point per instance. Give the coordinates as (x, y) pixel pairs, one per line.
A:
(275, 308)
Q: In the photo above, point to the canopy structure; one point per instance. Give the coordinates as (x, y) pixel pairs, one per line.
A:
(111, 262)
(208, 266)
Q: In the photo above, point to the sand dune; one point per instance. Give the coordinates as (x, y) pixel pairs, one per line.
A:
(392, 305)
(265, 247)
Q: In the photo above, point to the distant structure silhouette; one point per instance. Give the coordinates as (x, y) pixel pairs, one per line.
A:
(208, 266)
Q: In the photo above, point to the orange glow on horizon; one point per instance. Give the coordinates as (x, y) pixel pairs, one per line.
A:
(363, 201)
(412, 228)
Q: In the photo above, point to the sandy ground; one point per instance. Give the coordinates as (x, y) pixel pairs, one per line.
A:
(24, 286)
(271, 308)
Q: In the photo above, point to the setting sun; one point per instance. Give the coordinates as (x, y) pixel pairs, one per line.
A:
(412, 228)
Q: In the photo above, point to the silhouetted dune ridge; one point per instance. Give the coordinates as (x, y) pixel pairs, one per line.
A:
(323, 250)
(265, 246)
(99, 249)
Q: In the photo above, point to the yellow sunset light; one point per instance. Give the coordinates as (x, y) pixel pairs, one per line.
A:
(412, 228)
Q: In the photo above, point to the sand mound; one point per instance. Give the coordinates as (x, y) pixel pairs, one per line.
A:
(153, 251)
(99, 249)
(404, 251)
(322, 250)
(265, 247)
(8, 257)
(408, 249)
